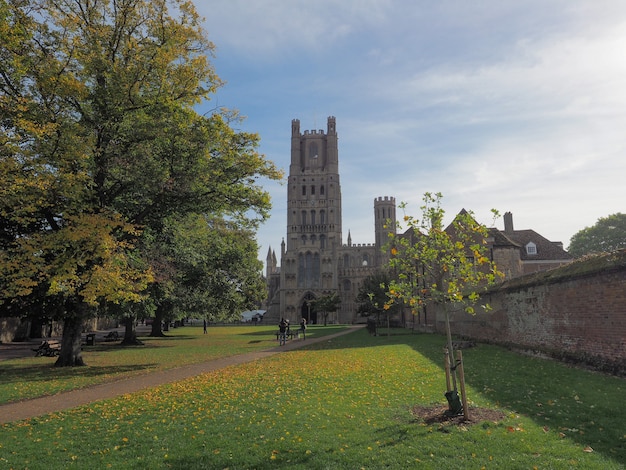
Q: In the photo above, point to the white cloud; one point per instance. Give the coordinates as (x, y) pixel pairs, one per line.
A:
(515, 105)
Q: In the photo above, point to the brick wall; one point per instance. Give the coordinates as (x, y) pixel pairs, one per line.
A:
(575, 313)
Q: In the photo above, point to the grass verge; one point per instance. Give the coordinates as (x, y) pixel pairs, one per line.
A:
(345, 403)
(33, 377)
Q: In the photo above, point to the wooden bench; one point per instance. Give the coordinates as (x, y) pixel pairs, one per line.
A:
(112, 336)
(48, 348)
(290, 334)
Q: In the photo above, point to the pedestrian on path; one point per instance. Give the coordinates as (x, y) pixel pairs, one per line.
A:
(282, 331)
(303, 328)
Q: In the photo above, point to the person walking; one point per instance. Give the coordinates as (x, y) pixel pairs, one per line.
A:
(282, 331)
(303, 328)
(204, 325)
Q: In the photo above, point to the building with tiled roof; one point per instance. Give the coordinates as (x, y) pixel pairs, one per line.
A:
(536, 253)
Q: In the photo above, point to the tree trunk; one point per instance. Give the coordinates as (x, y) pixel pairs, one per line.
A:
(157, 324)
(130, 334)
(450, 348)
(71, 355)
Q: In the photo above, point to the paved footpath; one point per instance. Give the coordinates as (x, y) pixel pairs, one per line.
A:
(62, 401)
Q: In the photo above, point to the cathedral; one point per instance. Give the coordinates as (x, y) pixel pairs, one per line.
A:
(314, 260)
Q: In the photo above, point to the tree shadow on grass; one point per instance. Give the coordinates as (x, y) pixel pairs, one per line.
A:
(45, 372)
(577, 404)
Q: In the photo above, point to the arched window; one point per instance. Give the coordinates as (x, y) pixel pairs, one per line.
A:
(303, 190)
(366, 260)
(312, 217)
(322, 241)
(347, 285)
(322, 217)
(303, 239)
(322, 190)
(346, 261)
(313, 153)
(313, 190)
(303, 217)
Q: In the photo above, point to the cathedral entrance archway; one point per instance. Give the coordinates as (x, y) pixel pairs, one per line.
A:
(307, 310)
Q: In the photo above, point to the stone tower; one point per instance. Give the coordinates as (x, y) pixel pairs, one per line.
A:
(308, 270)
(384, 224)
(314, 262)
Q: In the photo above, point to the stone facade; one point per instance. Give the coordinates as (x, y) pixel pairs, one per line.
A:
(314, 260)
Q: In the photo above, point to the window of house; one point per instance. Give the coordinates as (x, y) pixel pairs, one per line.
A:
(531, 248)
(313, 190)
(322, 190)
(303, 190)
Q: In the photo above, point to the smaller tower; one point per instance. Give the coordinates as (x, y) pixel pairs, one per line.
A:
(384, 224)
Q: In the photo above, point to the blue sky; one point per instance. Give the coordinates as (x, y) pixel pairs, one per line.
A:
(517, 106)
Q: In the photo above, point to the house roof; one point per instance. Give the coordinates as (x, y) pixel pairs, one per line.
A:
(546, 250)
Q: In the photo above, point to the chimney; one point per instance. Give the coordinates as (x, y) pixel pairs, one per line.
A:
(508, 222)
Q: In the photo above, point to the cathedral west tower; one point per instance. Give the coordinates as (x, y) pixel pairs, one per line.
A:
(314, 262)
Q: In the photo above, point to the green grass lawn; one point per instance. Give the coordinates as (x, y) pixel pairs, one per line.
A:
(345, 403)
(34, 376)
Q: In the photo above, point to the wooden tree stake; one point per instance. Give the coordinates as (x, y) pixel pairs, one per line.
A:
(459, 355)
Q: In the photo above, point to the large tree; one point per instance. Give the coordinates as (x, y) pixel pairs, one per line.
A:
(326, 305)
(606, 235)
(447, 266)
(100, 140)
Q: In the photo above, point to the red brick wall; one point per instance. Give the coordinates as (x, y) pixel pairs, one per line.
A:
(570, 313)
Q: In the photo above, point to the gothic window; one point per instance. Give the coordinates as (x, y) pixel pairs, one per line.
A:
(322, 241)
(301, 270)
(304, 239)
(346, 261)
(303, 217)
(313, 153)
(308, 270)
(312, 190)
(313, 239)
(366, 260)
(303, 190)
(322, 190)
(347, 285)
(315, 280)
(312, 217)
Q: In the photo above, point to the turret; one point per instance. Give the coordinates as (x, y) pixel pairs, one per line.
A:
(384, 224)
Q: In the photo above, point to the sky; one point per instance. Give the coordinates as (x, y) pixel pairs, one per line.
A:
(516, 106)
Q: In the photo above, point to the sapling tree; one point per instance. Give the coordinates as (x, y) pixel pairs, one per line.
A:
(447, 266)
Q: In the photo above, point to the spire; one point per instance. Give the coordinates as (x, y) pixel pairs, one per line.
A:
(349, 238)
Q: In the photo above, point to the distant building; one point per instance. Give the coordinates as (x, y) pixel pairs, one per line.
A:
(531, 252)
(314, 261)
